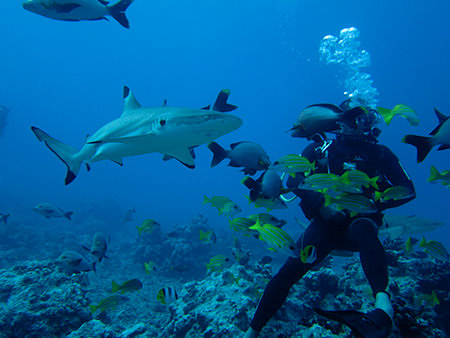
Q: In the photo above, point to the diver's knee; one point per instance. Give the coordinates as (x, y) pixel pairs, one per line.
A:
(363, 228)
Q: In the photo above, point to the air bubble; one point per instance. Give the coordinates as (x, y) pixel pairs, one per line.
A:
(346, 52)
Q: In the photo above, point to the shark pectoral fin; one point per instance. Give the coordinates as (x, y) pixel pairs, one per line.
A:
(118, 161)
(168, 157)
(443, 147)
(184, 155)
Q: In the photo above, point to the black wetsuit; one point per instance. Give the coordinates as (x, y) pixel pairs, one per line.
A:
(356, 234)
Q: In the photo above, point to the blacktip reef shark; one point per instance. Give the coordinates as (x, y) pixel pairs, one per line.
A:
(78, 10)
(168, 130)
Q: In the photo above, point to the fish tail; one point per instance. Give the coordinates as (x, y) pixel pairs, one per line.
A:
(387, 114)
(435, 298)
(344, 178)
(118, 12)
(378, 195)
(206, 199)
(93, 308)
(68, 215)
(373, 182)
(219, 153)
(115, 287)
(434, 174)
(422, 143)
(249, 182)
(257, 226)
(5, 218)
(423, 242)
(63, 151)
(328, 200)
(255, 189)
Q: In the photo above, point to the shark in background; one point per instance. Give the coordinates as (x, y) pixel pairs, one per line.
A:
(170, 131)
(78, 10)
(3, 115)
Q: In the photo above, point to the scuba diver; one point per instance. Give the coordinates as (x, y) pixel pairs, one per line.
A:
(335, 228)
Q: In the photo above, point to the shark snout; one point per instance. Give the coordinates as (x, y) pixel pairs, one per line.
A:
(28, 5)
(31, 5)
(233, 121)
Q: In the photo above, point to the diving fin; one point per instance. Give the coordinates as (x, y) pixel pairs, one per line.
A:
(374, 324)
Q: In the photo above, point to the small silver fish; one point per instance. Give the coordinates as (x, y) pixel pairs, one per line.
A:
(99, 246)
(48, 211)
(129, 215)
(4, 217)
(72, 262)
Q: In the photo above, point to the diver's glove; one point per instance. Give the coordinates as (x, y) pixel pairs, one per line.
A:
(332, 214)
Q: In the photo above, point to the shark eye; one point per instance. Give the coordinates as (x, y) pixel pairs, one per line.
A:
(162, 122)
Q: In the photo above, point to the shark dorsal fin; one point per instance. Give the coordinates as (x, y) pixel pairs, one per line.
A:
(129, 101)
(221, 104)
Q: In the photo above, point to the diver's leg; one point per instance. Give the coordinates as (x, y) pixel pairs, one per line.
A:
(277, 289)
(363, 234)
(383, 302)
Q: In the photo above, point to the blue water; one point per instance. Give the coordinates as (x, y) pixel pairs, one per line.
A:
(67, 78)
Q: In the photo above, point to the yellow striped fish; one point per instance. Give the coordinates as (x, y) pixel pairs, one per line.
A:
(276, 238)
(356, 204)
(293, 163)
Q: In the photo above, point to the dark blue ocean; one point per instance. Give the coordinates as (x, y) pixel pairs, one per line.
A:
(67, 79)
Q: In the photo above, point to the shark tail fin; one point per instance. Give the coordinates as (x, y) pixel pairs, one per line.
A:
(422, 143)
(63, 151)
(118, 12)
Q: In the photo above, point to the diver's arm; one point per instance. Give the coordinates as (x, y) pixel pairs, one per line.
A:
(397, 176)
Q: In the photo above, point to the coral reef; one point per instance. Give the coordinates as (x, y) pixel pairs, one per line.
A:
(179, 253)
(38, 300)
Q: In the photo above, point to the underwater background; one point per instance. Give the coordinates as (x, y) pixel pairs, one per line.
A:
(67, 78)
